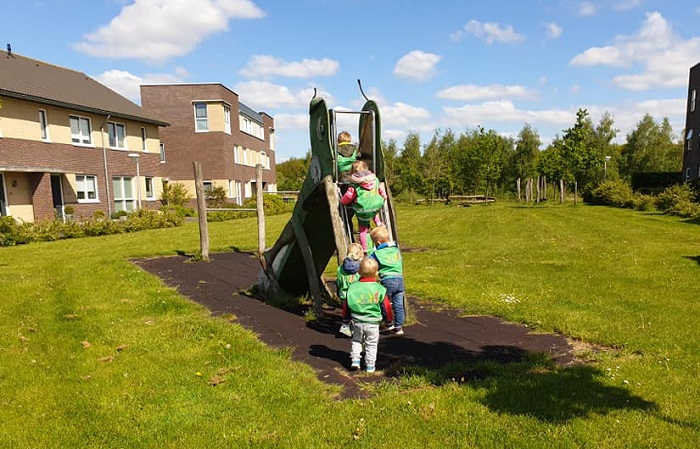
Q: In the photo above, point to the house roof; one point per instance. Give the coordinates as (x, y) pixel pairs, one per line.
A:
(38, 81)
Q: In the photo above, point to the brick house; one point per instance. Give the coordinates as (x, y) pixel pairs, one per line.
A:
(691, 153)
(208, 124)
(67, 140)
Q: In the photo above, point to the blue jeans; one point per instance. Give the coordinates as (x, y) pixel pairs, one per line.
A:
(395, 292)
(365, 336)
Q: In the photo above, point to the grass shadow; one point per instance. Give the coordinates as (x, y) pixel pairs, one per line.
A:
(514, 381)
(695, 258)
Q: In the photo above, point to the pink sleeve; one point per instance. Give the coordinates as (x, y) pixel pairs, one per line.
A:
(382, 192)
(349, 196)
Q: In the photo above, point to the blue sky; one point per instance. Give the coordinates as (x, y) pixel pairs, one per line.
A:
(443, 64)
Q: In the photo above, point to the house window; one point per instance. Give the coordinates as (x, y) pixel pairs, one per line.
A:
(124, 198)
(264, 160)
(235, 191)
(200, 115)
(693, 94)
(689, 140)
(44, 123)
(245, 124)
(116, 134)
(208, 186)
(227, 119)
(248, 189)
(144, 140)
(86, 188)
(237, 149)
(80, 130)
(150, 194)
(162, 152)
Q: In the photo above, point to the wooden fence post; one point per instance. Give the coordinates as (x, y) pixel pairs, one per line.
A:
(261, 209)
(201, 210)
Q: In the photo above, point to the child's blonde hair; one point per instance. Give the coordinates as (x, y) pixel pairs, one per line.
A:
(379, 235)
(359, 166)
(355, 251)
(344, 137)
(368, 268)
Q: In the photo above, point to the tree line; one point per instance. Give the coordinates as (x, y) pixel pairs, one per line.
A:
(484, 162)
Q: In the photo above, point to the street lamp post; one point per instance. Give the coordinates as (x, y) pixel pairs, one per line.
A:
(605, 171)
(135, 157)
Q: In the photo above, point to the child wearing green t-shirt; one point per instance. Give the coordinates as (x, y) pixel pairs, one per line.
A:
(388, 256)
(367, 197)
(368, 305)
(347, 275)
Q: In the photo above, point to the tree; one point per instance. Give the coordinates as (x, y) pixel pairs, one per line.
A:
(650, 148)
(291, 173)
(580, 157)
(435, 166)
(527, 149)
(407, 171)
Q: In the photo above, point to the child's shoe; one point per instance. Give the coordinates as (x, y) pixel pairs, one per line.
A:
(390, 328)
(370, 369)
(399, 331)
(355, 365)
(346, 330)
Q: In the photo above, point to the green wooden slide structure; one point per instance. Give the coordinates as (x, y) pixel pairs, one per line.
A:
(319, 227)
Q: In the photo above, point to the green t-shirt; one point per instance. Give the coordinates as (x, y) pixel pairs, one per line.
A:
(389, 258)
(344, 281)
(368, 202)
(365, 301)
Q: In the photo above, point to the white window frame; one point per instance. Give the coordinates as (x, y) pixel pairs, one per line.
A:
(237, 150)
(121, 200)
(82, 136)
(86, 189)
(201, 122)
(144, 139)
(116, 139)
(150, 191)
(227, 119)
(44, 124)
(162, 152)
(693, 95)
(689, 140)
(687, 174)
(239, 192)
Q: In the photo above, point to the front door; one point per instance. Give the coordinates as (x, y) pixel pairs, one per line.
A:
(57, 194)
(3, 200)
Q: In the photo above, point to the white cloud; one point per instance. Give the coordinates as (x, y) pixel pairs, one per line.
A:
(503, 111)
(663, 56)
(490, 32)
(417, 65)
(586, 9)
(553, 30)
(266, 66)
(262, 95)
(291, 121)
(157, 30)
(471, 92)
(128, 85)
(626, 5)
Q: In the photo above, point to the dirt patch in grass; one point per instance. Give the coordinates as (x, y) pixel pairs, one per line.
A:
(437, 338)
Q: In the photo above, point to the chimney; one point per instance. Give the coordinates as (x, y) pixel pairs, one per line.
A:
(9, 50)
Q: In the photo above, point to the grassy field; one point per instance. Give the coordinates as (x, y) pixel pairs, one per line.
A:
(96, 353)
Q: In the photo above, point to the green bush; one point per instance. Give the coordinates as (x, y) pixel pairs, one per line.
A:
(216, 197)
(180, 211)
(678, 200)
(14, 233)
(272, 205)
(644, 202)
(175, 194)
(611, 193)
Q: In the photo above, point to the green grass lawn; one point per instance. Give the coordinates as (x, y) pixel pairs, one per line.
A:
(95, 353)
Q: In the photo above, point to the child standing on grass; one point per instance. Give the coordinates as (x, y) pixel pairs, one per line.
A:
(368, 303)
(367, 198)
(347, 275)
(390, 262)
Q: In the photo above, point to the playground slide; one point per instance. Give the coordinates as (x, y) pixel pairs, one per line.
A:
(318, 228)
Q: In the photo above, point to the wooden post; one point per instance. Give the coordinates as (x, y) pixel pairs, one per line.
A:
(517, 184)
(261, 209)
(538, 190)
(201, 210)
(561, 191)
(544, 187)
(575, 192)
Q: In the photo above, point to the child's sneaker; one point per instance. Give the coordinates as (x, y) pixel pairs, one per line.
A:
(355, 365)
(345, 330)
(399, 331)
(390, 328)
(370, 369)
